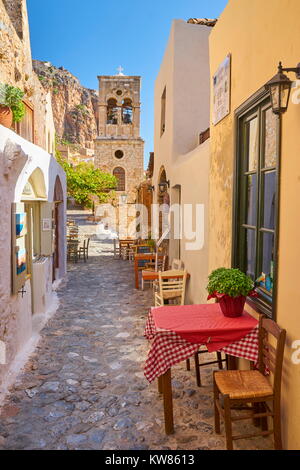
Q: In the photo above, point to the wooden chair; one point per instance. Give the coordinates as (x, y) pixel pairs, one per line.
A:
(172, 285)
(159, 265)
(126, 250)
(241, 387)
(72, 251)
(84, 250)
(117, 251)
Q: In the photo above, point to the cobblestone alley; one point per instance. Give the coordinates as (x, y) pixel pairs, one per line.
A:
(84, 388)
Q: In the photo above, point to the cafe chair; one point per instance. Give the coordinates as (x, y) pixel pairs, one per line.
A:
(72, 252)
(159, 265)
(84, 250)
(127, 251)
(117, 251)
(171, 287)
(234, 388)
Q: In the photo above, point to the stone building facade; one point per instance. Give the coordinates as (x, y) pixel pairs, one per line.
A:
(119, 149)
(16, 69)
(32, 201)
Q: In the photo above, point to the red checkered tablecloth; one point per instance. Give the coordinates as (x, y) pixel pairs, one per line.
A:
(168, 349)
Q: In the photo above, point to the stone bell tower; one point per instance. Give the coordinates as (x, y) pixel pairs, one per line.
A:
(119, 149)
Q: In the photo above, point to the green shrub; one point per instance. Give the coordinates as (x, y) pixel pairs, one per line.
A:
(13, 99)
(82, 108)
(84, 181)
(229, 281)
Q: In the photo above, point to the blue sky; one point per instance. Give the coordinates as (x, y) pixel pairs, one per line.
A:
(94, 37)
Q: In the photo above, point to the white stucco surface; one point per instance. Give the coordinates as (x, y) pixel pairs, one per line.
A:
(184, 74)
(18, 160)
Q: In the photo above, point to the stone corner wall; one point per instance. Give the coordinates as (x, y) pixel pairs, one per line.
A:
(16, 64)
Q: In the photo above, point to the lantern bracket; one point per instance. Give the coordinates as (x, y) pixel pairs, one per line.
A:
(296, 70)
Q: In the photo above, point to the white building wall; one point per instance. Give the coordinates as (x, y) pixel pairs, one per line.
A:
(18, 160)
(184, 73)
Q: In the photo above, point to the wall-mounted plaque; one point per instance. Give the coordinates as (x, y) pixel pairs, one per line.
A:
(46, 225)
(221, 90)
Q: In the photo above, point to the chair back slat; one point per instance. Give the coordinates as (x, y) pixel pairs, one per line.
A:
(175, 284)
(160, 262)
(271, 357)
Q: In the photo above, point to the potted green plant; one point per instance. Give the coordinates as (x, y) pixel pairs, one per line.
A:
(230, 287)
(150, 242)
(12, 108)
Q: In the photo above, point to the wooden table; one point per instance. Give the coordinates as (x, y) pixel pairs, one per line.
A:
(206, 322)
(153, 275)
(141, 257)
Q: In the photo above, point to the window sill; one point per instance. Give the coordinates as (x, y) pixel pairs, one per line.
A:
(260, 306)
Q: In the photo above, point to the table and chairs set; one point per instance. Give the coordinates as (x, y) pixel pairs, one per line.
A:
(76, 248)
(178, 332)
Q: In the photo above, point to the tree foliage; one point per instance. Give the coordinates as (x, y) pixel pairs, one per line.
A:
(84, 182)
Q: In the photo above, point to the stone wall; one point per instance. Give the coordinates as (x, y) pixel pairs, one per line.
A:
(129, 87)
(75, 108)
(132, 161)
(16, 63)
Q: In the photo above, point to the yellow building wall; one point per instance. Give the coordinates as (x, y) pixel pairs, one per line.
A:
(259, 34)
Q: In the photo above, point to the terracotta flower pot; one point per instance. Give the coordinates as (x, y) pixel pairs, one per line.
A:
(232, 306)
(6, 116)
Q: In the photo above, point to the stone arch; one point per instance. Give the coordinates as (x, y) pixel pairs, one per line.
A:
(58, 235)
(127, 111)
(163, 199)
(58, 190)
(35, 187)
(162, 178)
(112, 111)
(120, 174)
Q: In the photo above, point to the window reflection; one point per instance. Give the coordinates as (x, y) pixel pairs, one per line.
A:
(250, 253)
(253, 144)
(269, 199)
(270, 138)
(251, 200)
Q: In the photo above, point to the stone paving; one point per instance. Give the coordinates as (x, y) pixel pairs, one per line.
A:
(84, 388)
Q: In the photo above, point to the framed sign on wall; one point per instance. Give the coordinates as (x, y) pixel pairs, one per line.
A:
(221, 90)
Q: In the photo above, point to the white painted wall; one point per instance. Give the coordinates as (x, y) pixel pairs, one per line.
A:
(18, 160)
(185, 74)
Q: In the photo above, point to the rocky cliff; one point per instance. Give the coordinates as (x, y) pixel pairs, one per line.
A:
(75, 108)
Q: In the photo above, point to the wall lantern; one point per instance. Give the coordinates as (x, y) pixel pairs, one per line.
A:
(279, 88)
(163, 186)
(123, 198)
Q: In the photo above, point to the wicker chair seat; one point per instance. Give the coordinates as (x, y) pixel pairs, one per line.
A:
(241, 384)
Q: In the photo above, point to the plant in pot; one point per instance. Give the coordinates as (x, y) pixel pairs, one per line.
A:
(12, 108)
(151, 243)
(230, 287)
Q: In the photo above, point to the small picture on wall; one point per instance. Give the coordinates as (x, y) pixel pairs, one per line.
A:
(21, 261)
(46, 225)
(21, 228)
